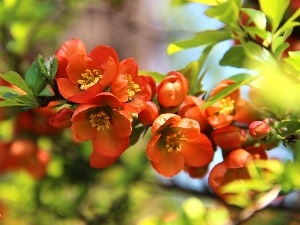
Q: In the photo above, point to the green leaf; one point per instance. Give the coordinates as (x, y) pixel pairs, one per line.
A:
(235, 57)
(240, 80)
(35, 77)
(274, 11)
(228, 13)
(158, 77)
(257, 17)
(208, 2)
(51, 66)
(200, 39)
(289, 127)
(15, 79)
(290, 23)
(4, 90)
(293, 60)
(191, 72)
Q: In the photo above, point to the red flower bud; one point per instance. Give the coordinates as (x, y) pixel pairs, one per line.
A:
(62, 118)
(259, 129)
(149, 114)
(172, 91)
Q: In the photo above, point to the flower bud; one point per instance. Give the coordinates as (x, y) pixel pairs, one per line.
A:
(259, 130)
(149, 114)
(172, 90)
(62, 118)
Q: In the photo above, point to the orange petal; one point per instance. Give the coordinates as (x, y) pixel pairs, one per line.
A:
(85, 96)
(67, 88)
(71, 47)
(164, 120)
(170, 164)
(153, 152)
(82, 128)
(97, 161)
(107, 143)
(78, 64)
(216, 176)
(100, 54)
(237, 158)
(121, 120)
(197, 152)
(190, 127)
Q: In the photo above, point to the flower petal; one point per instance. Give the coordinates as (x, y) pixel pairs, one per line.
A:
(107, 143)
(121, 120)
(71, 47)
(82, 128)
(190, 127)
(67, 88)
(97, 161)
(197, 152)
(100, 54)
(170, 164)
(78, 65)
(153, 152)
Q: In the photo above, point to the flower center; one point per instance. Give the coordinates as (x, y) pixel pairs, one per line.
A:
(226, 106)
(90, 78)
(173, 141)
(132, 87)
(100, 120)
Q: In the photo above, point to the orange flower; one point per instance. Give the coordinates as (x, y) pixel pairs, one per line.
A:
(88, 75)
(67, 49)
(129, 87)
(192, 108)
(221, 113)
(172, 90)
(100, 120)
(233, 168)
(177, 142)
(229, 137)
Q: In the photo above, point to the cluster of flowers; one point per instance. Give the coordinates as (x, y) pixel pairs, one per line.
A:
(106, 99)
(105, 95)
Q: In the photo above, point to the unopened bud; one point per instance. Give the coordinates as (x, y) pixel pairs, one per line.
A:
(259, 130)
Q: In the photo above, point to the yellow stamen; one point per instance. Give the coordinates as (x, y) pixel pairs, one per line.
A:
(100, 120)
(132, 87)
(226, 106)
(173, 141)
(90, 78)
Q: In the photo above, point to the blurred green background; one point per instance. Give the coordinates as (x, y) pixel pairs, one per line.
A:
(129, 192)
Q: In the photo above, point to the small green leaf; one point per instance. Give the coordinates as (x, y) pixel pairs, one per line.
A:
(158, 77)
(4, 90)
(15, 79)
(228, 13)
(35, 77)
(191, 72)
(200, 39)
(240, 80)
(51, 66)
(274, 11)
(235, 57)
